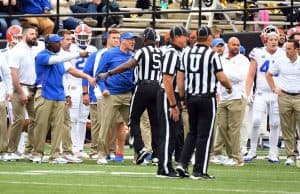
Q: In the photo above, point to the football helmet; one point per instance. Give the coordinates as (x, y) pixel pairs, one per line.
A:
(83, 35)
(268, 31)
(14, 34)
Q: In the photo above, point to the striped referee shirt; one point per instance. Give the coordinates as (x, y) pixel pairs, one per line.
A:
(149, 63)
(172, 62)
(201, 64)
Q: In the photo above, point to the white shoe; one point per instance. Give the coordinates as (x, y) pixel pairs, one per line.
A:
(289, 162)
(94, 157)
(58, 160)
(298, 162)
(273, 158)
(250, 156)
(45, 159)
(5, 157)
(82, 154)
(72, 159)
(36, 159)
(218, 159)
(27, 156)
(232, 162)
(244, 151)
(102, 161)
(13, 157)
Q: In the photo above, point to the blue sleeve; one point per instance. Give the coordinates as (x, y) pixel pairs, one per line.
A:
(102, 68)
(42, 58)
(89, 67)
(46, 4)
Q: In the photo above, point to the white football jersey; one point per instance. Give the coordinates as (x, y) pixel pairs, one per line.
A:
(78, 63)
(264, 60)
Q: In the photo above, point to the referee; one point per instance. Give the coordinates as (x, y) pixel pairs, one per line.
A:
(148, 62)
(203, 69)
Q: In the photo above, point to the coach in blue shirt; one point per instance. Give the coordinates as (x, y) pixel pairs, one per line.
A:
(116, 90)
(50, 99)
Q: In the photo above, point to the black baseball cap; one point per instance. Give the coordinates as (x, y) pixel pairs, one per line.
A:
(178, 30)
(204, 31)
(149, 34)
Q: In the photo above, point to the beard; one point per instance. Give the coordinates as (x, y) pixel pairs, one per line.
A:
(32, 42)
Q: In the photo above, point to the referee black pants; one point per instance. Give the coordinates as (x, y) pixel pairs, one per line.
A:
(202, 111)
(170, 136)
(144, 97)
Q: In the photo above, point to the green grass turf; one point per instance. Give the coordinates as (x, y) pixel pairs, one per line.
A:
(256, 177)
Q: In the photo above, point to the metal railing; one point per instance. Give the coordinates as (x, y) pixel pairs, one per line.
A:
(152, 12)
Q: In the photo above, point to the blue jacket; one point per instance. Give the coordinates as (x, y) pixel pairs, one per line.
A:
(118, 83)
(34, 6)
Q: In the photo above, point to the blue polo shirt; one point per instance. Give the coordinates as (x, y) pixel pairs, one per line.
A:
(118, 83)
(50, 76)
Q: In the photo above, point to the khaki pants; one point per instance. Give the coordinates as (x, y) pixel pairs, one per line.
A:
(19, 112)
(45, 25)
(49, 113)
(230, 117)
(185, 119)
(66, 134)
(3, 128)
(95, 127)
(289, 105)
(112, 105)
(146, 131)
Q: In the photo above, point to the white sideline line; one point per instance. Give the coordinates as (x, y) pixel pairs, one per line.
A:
(150, 187)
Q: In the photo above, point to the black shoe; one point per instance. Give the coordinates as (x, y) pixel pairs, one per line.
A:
(171, 174)
(143, 153)
(183, 172)
(207, 176)
(200, 176)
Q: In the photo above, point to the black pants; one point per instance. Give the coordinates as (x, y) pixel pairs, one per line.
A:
(202, 111)
(170, 136)
(144, 97)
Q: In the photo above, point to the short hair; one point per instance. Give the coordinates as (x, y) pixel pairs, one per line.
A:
(292, 36)
(62, 32)
(113, 31)
(27, 27)
(295, 43)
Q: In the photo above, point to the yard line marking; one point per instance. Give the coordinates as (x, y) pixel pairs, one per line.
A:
(151, 187)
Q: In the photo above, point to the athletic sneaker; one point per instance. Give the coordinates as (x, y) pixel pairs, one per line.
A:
(13, 157)
(200, 176)
(232, 162)
(72, 158)
(171, 174)
(273, 158)
(250, 157)
(102, 161)
(155, 161)
(58, 160)
(183, 172)
(119, 158)
(45, 159)
(218, 159)
(36, 159)
(290, 162)
(141, 155)
(82, 154)
(298, 162)
(94, 157)
(5, 157)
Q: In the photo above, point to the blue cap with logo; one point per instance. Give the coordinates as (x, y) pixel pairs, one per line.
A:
(54, 38)
(218, 41)
(128, 35)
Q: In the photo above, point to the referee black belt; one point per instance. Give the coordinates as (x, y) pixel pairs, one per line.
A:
(202, 95)
(291, 94)
(145, 82)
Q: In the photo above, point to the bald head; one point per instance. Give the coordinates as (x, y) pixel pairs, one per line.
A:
(234, 45)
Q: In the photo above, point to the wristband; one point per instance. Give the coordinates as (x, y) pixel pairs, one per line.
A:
(109, 73)
(173, 106)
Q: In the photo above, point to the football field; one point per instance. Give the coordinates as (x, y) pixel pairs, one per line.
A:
(88, 177)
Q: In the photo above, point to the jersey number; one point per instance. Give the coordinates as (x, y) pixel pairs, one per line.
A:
(265, 66)
(80, 63)
(157, 61)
